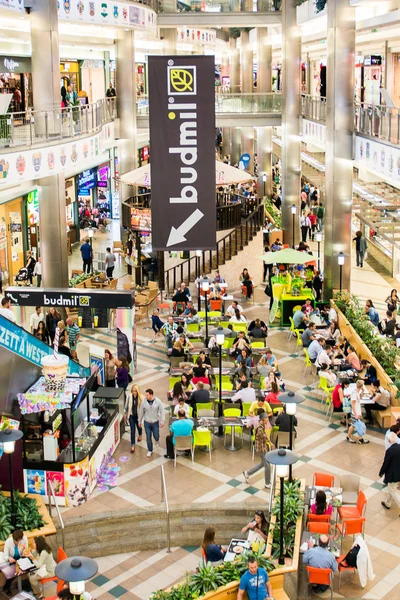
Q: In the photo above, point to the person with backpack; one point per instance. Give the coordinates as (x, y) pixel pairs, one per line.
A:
(320, 212)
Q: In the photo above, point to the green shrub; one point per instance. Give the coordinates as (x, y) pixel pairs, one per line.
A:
(27, 514)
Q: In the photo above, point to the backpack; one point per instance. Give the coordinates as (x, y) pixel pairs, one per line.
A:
(351, 557)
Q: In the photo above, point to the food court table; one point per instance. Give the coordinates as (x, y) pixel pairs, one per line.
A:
(216, 422)
(10, 571)
(288, 302)
(236, 548)
(318, 321)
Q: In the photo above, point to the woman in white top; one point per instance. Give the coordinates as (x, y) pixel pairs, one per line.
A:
(356, 412)
(238, 318)
(43, 559)
(182, 406)
(14, 548)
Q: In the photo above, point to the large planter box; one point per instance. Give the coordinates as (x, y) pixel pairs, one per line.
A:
(363, 352)
(47, 530)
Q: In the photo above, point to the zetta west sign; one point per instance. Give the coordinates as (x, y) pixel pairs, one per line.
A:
(76, 298)
(182, 141)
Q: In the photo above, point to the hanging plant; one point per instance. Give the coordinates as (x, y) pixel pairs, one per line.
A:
(319, 4)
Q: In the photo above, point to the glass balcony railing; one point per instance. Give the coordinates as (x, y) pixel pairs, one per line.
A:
(37, 127)
(234, 103)
(216, 6)
(313, 107)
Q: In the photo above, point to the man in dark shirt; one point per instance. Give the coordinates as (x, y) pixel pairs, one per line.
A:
(370, 373)
(283, 421)
(387, 326)
(87, 256)
(200, 395)
(63, 349)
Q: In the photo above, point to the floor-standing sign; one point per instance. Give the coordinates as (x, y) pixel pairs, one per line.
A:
(182, 142)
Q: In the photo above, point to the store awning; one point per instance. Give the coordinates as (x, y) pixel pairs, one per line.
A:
(225, 174)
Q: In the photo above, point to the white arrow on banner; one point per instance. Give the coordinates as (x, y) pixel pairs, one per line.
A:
(177, 236)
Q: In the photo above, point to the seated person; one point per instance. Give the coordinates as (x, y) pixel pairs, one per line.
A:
(258, 525)
(186, 383)
(230, 311)
(244, 357)
(334, 331)
(325, 356)
(263, 368)
(353, 359)
(245, 394)
(273, 378)
(156, 323)
(182, 406)
(200, 395)
(199, 372)
(328, 375)
(182, 426)
(372, 313)
(260, 404)
(243, 370)
(260, 324)
(185, 290)
(218, 277)
(177, 349)
(241, 343)
(388, 325)
(274, 391)
(320, 506)
(205, 359)
(338, 397)
(257, 330)
(370, 372)
(238, 317)
(380, 397)
(283, 421)
(270, 358)
(189, 307)
(308, 307)
(315, 348)
(241, 379)
(179, 302)
(192, 317)
(185, 343)
(321, 558)
(214, 553)
(308, 335)
(394, 429)
(340, 349)
(301, 319)
(177, 394)
(14, 548)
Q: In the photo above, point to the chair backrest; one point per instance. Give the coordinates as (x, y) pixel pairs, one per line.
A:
(205, 413)
(317, 527)
(283, 438)
(319, 576)
(183, 442)
(350, 483)
(225, 325)
(206, 386)
(201, 438)
(257, 344)
(190, 411)
(228, 342)
(232, 412)
(240, 327)
(173, 380)
(246, 408)
(296, 308)
(291, 323)
(323, 479)
(193, 327)
(318, 518)
(226, 385)
(214, 313)
(216, 305)
(353, 526)
(61, 554)
(204, 406)
(361, 502)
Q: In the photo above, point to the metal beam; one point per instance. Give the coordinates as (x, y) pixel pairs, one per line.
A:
(222, 19)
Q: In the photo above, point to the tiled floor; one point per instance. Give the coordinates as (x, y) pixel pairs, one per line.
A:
(321, 447)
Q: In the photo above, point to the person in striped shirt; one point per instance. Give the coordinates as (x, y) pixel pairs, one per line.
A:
(73, 332)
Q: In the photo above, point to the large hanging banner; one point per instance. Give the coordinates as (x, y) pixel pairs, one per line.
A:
(182, 141)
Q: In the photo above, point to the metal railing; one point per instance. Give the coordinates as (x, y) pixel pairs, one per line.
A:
(313, 107)
(234, 103)
(51, 497)
(221, 6)
(226, 247)
(164, 498)
(36, 127)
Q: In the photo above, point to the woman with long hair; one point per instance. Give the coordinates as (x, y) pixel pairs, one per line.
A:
(110, 368)
(213, 552)
(178, 393)
(52, 318)
(131, 412)
(320, 507)
(247, 283)
(42, 332)
(186, 383)
(43, 559)
(258, 525)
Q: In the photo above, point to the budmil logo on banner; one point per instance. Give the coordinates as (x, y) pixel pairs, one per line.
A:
(182, 81)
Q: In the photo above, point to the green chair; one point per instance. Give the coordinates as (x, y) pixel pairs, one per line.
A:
(202, 439)
(193, 327)
(224, 324)
(257, 344)
(240, 327)
(246, 408)
(214, 313)
(173, 381)
(293, 330)
(190, 411)
(227, 386)
(228, 342)
(232, 412)
(202, 314)
(326, 390)
(307, 363)
(204, 406)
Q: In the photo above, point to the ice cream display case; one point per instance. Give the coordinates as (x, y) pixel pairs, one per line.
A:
(67, 441)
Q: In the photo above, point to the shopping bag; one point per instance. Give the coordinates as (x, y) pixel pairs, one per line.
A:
(360, 427)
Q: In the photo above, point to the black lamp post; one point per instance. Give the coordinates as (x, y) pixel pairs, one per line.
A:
(318, 237)
(282, 459)
(198, 255)
(264, 178)
(205, 284)
(220, 333)
(341, 258)
(294, 211)
(290, 400)
(8, 437)
(76, 571)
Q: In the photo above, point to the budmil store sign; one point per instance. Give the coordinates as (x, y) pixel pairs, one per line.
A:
(72, 298)
(182, 139)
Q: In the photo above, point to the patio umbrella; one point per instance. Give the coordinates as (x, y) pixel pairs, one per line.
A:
(288, 256)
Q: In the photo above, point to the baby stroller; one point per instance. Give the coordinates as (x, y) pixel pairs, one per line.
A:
(21, 277)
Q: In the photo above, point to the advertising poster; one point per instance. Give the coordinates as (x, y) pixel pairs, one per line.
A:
(182, 141)
(76, 481)
(56, 479)
(141, 219)
(125, 336)
(92, 473)
(98, 361)
(36, 482)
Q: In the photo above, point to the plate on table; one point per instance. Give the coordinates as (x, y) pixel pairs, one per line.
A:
(238, 549)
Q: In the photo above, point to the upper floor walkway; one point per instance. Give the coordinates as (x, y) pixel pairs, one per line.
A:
(219, 13)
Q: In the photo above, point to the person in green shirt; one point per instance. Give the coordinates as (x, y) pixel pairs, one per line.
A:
(320, 215)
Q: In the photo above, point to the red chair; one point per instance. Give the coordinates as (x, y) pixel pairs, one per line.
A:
(351, 527)
(323, 480)
(61, 555)
(215, 304)
(318, 518)
(319, 577)
(354, 512)
(342, 566)
(317, 527)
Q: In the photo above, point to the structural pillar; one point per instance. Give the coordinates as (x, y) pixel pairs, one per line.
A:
(339, 143)
(264, 61)
(291, 145)
(226, 141)
(236, 140)
(248, 146)
(234, 66)
(126, 107)
(246, 63)
(53, 231)
(169, 41)
(264, 160)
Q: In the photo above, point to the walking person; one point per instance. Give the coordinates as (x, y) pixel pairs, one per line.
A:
(73, 333)
(391, 470)
(356, 422)
(317, 286)
(361, 248)
(305, 225)
(110, 263)
(110, 369)
(263, 445)
(87, 256)
(152, 414)
(37, 271)
(30, 265)
(131, 414)
(255, 582)
(52, 318)
(122, 375)
(320, 212)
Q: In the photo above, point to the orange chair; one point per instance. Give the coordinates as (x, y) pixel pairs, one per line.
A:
(318, 518)
(319, 577)
(354, 512)
(61, 555)
(317, 527)
(323, 480)
(343, 567)
(215, 304)
(351, 527)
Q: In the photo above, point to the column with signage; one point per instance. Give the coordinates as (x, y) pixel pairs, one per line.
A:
(104, 193)
(87, 197)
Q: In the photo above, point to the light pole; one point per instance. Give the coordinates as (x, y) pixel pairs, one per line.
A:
(290, 400)
(205, 284)
(318, 237)
(76, 571)
(264, 178)
(294, 211)
(90, 235)
(340, 259)
(282, 459)
(220, 333)
(198, 254)
(8, 437)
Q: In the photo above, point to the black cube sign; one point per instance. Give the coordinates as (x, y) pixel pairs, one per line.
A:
(182, 158)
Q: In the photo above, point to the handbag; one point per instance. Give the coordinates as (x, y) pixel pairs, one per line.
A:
(360, 427)
(350, 560)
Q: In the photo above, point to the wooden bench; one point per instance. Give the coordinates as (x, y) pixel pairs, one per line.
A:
(383, 417)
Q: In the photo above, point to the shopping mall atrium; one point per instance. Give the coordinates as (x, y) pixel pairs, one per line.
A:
(200, 288)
